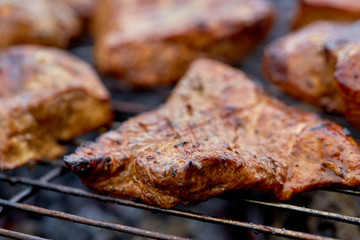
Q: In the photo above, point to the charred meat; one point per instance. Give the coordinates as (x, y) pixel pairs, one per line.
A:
(37, 22)
(136, 39)
(297, 64)
(343, 64)
(217, 132)
(46, 96)
(317, 64)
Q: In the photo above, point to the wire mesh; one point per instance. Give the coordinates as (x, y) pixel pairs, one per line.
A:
(175, 212)
(17, 235)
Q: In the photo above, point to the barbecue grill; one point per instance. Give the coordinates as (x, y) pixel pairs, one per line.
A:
(58, 206)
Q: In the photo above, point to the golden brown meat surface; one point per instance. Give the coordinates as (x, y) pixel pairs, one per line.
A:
(337, 10)
(46, 96)
(136, 39)
(43, 22)
(218, 132)
(317, 64)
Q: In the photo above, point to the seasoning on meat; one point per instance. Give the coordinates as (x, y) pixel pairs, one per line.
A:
(217, 132)
(135, 39)
(314, 10)
(317, 64)
(46, 96)
(43, 22)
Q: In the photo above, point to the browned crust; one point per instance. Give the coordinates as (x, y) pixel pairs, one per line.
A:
(43, 22)
(319, 67)
(46, 95)
(313, 10)
(297, 64)
(343, 55)
(136, 40)
(217, 132)
(347, 76)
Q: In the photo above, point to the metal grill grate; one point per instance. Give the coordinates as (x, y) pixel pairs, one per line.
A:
(43, 183)
(127, 103)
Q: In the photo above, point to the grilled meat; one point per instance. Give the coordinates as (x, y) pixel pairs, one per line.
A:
(37, 22)
(318, 64)
(84, 8)
(46, 95)
(343, 60)
(135, 39)
(217, 132)
(314, 10)
(297, 64)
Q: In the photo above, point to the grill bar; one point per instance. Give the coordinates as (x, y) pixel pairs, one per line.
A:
(24, 194)
(28, 191)
(174, 212)
(312, 212)
(88, 221)
(17, 235)
(346, 191)
(129, 107)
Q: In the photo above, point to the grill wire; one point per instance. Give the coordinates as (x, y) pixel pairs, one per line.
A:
(124, 107)
(44, 184)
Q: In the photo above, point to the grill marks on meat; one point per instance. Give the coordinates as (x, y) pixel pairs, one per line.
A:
(135, 39)
(46, 96)
(319, 65)
(234, 137)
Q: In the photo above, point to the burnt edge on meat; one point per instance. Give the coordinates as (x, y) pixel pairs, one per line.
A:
(217, 132)
(46, 96)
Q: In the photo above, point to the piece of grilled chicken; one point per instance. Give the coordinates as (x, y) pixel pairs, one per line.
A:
(135, 39)
(46, 96)
(218, 132)
(318, 64)
(44, 22)
(309, 11)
